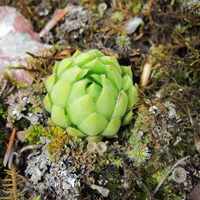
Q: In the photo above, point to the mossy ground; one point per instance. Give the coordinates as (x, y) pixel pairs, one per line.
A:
(166, 122)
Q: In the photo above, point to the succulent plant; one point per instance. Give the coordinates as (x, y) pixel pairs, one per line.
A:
(90, 95)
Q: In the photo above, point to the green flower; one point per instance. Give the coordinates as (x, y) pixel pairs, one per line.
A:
(90, 95)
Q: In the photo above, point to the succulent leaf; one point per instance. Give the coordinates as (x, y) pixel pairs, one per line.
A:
(55, 67)
(70, 74)
(58, 116)
(126, 70)
(94, 90)
(96, 138)
(75, 132)
(47, 103)
(95, 52)
(95, 66)
(82, 74)
(83, 58)
(105, 103)
(65, 64)
(121, 105)
(127, 118)
(132, 97)
(114, 76)
(127, 82)
(108, 60)
(59, 93)
(80, 109)
(77, 91)
(97, 78)
(109, 84)
(112, 128)
(50, 82)
(93, 125)
(135, 94)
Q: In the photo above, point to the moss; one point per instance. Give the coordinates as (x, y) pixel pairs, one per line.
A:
(2, 112)
(168, 25)
(12, 81)
(33, 134)
(58, 139)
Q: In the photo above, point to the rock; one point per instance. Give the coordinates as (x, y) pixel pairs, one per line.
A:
(195, 193)
(16, 38)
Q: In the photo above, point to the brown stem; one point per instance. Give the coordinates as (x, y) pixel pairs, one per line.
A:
(10, 147)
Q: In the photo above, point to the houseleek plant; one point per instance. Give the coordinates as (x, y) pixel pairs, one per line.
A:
(90, 95)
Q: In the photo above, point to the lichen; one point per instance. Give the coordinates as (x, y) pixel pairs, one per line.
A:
(26, 104)
(46, 174)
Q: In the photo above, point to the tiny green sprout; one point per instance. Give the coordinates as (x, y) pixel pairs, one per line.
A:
(36, 198)
(190, 48)
(181, 63)
(138, 7)
(172, 2)
(158, 74)
(157, 51)
(138, 154)
(191, 23)
(118, 163)
(117, 17)
(123, 43)
(42, 22)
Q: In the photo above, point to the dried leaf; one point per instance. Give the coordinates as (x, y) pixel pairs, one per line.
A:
(197, 141)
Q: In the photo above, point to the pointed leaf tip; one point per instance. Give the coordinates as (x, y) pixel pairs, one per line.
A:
(93, 125)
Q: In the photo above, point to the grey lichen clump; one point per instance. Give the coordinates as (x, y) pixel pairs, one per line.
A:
(62, 177)
(24, 103)
(75, 23)
(46, 174)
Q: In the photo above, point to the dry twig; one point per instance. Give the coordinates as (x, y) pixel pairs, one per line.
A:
(168, 173)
